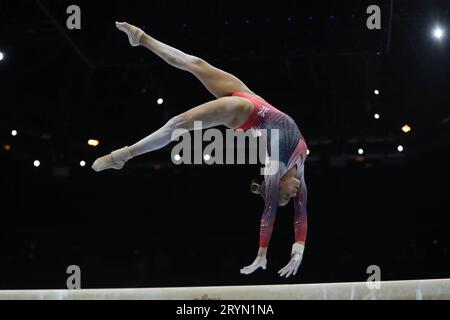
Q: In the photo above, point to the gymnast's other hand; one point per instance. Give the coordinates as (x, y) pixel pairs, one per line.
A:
(292, 267)
(260, 262)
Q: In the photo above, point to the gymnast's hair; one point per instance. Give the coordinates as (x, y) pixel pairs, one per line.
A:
(258, 188)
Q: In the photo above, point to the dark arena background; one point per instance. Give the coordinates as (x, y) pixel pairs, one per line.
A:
(373, 106)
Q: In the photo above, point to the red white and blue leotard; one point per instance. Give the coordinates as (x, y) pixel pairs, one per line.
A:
(292, 153)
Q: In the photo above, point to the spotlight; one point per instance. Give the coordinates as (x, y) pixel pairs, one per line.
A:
(36, 163)
(400, 148)
(82, 163)
(14, 133)
(177, 157)
(438, 33)
(377, 116)
(377, 92)
(361, 152)
(93, 142)
(207, 157)
(406, 128)
(2, 56)
(160, 101)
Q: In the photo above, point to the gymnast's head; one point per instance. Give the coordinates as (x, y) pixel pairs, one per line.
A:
(288, 188)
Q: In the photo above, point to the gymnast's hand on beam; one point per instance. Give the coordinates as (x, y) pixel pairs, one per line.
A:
(260, 262)
(292, 267)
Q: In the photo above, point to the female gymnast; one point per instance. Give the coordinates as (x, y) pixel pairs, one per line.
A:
(235, 107)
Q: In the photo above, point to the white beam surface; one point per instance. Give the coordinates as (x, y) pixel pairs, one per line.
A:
(399, 290)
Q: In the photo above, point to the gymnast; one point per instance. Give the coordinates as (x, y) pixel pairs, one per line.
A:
(235, 107)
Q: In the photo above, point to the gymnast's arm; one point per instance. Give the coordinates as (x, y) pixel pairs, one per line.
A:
(301, 229)
(267, 223)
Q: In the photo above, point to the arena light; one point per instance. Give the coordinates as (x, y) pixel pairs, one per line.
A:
(177, 157)
(377, 116)
(308, 152)
(82, 163)
(400, 148)
(93, 142)
(2, 56)
(36, 163)
(207, 157)
(160, 101)
(14, 133)
(360, 151)
(406, 128)
(377, 92)
(438, 33)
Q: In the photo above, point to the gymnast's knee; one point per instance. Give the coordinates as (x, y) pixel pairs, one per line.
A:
(186, 62)
(196, 65)
(180, 122)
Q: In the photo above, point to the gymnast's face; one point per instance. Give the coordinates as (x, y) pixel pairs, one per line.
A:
(289, 187)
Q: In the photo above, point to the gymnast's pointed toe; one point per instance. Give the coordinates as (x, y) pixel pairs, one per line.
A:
(105, 163)
(116, 160)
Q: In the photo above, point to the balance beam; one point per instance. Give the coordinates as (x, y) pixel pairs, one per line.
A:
(394, 290)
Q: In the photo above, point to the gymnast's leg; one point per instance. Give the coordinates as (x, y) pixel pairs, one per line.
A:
(218, 82)
(231, 112)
